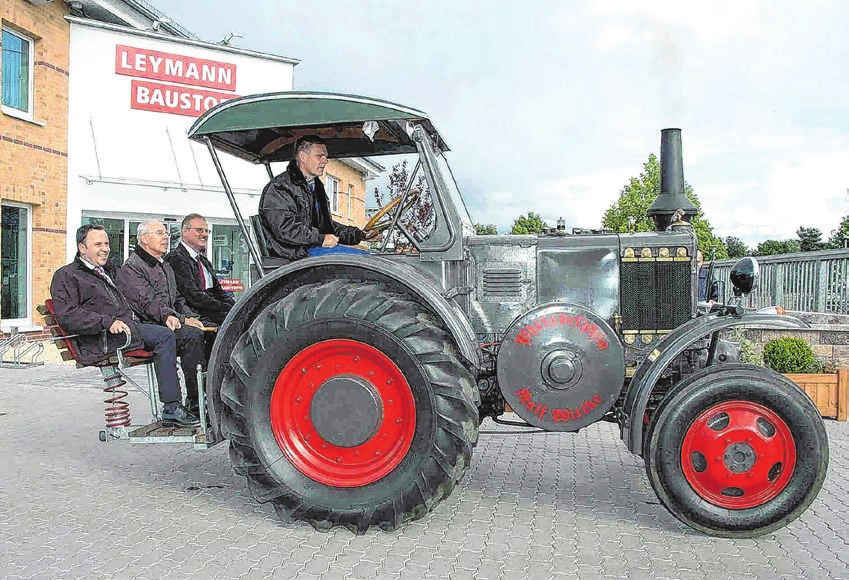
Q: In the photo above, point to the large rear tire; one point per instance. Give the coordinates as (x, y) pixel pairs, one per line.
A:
(736, 451)
(347, 405)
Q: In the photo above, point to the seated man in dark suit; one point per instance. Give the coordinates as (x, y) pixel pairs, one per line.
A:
(88, 303)
(196, 280)
(148, 283)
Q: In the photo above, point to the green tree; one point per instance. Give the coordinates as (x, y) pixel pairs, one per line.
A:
(736, 248)
(419, 217)
(628, 213)
(532, 224)
(810, 239)
(486, 229)
(840, 237)
(773, 247)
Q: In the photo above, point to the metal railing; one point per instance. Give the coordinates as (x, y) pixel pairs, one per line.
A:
(806, 281)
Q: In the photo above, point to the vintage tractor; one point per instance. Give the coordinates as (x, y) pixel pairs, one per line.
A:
(351, 388)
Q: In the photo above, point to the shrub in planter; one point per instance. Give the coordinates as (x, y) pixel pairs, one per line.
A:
(789, 355)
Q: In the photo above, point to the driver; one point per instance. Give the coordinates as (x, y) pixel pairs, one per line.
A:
(294, 209)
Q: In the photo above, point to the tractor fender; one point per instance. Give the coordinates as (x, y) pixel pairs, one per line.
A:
(672, 345)
(278, 283)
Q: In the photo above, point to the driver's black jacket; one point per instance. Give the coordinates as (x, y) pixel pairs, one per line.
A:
(295, 219)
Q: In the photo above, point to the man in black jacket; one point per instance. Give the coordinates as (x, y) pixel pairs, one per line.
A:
(195, 277)
(88, 303)
(148, 283)
(295, 212)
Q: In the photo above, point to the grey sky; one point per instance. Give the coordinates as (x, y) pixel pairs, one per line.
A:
(553, 106)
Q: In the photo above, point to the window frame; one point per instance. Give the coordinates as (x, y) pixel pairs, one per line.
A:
(8, 109)
(333, 194)
(23, 323)
(350, 201)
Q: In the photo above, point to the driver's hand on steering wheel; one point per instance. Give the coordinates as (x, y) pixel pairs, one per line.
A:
(372, 236)
(330, 241)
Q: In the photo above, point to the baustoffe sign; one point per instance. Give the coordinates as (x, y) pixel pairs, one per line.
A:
(187, 80)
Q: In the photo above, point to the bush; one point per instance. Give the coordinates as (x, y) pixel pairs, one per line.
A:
(748, 354)
(789, 355)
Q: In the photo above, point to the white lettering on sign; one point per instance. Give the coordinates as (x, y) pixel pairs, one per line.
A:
(175, 68)
(148, 96)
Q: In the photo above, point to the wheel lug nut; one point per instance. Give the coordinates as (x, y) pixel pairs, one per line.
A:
(376, 453)
(324, 445)
(356, 359)
(356, 453)
(728, 441)
(371, 373)
(306, 417)
(298, 399)
(338, 460)
(318, 367)
(388, 381)
(383, 436)
(303, 371)
(398, 421)
(390, 401)
(307, 437)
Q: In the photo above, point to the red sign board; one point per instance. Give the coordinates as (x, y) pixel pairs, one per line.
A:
(232, 284)
(174, 68)
(149, 96)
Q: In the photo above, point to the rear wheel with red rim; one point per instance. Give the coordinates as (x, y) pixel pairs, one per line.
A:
(736, 451)
(348, 405)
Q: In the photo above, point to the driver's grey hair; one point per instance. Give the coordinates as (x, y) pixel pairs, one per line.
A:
(306, 142)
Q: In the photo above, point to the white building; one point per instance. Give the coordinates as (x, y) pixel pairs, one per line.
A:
(132, 96)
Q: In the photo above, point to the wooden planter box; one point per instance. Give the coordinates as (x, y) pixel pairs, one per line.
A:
(829, 392)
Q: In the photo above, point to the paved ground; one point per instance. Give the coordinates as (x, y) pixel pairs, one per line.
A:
(532, 506)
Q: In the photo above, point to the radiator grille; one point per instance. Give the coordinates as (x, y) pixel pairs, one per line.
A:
(503, 282)
(655, 295)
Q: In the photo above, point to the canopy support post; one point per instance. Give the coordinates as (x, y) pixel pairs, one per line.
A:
(232, 199)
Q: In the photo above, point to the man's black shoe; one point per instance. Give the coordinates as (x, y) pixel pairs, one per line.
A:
(176, 415)
(193, 409)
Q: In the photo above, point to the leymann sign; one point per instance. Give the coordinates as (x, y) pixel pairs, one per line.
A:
(199, 74)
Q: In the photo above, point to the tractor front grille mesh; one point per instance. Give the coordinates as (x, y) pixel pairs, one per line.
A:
(655, 295)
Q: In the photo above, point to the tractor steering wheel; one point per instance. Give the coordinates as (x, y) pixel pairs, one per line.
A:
(383, 219)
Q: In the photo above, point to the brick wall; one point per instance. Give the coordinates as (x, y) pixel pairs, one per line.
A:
(828, 336)
(34, 155)
(349, 176)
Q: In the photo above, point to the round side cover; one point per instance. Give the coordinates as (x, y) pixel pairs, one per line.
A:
(560, 367)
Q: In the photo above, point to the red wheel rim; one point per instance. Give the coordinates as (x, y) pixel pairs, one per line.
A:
(299, 439)
(738, 455)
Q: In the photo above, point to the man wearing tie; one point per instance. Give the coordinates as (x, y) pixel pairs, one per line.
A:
(88, 303)
(196, 281)
(294, 209)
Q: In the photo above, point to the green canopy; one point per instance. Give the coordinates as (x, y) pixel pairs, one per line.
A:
(263, 128)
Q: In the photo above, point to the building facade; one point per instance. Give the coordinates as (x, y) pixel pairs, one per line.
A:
(97, 98)
(33, 155)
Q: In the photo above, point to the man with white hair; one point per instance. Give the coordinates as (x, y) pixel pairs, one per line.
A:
(148, 283)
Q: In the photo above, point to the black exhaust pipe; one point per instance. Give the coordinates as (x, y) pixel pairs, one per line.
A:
(672, 196)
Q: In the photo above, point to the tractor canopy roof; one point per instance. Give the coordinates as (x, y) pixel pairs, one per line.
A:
(263, 128)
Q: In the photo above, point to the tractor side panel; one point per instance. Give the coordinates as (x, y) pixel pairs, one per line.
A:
(580, 270)
(502, 271)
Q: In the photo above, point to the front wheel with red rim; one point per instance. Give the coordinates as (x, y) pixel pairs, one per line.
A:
(736, 451)
(347, 405)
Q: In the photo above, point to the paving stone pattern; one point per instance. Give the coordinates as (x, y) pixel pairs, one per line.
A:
(531, 506)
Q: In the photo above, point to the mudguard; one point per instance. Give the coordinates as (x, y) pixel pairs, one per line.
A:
(277, 283)
(672, 345)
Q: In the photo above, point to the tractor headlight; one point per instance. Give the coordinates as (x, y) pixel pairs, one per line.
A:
(744, 275)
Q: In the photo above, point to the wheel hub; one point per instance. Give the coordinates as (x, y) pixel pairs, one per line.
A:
(343, 413)
(346, 411)
(561, 369)
(738, 455)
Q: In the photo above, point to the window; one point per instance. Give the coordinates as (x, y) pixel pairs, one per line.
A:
(15, 255)
(350, 200)
(17, 73)
(332, 187)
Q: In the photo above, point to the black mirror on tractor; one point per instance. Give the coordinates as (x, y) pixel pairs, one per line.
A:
(744, 275)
